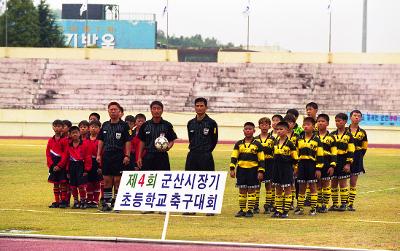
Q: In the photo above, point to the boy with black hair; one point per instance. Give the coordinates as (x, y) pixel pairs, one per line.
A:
(84, 129)
(66, 125)
(248, 160)
(297, 129)
(131, 121)
(57, 175)
(267, 141)
(285, 159)
(312, 110)
(345, 156)
(78, 161)
(94, 116)
(94, 175)
(275, 120)
(311, 161)
(361, 145)
(330, 152)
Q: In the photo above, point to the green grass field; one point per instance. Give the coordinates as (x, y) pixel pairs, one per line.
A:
(25, 196)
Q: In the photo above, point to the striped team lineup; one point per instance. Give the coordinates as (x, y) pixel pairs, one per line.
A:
(304, 168)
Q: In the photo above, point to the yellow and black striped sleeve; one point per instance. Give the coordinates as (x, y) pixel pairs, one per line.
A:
(350, 150)
(234, 156)
(319, 156)
(364, 143)
(260, 157)
(293, 152)
(333, 152)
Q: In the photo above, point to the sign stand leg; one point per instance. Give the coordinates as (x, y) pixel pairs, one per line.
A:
(164, 232)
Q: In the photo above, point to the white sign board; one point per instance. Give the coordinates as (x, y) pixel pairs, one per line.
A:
(171, 191)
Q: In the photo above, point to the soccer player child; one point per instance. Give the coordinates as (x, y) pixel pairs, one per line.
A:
(312, 110)
(267, 142)
(297, 129)
(84, 129)
(54, 151)
(345, 155)
(78, 161)
(361, 145)
(311, 161)
(248, 160)
(293, 136)
(94, 175)
(94, 116)
(285, 157)
(66, 125)
(330, 152)
(275, 120)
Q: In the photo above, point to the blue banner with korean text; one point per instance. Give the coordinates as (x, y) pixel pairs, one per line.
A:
(174, 191)
(379, 120)
(118, 34)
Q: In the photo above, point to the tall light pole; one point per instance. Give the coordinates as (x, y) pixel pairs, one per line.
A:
(247, 13)
(330, 25)
(167, 10)
(6, 25)
(364, 27)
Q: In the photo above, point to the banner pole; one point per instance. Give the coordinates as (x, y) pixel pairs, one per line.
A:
(164, 232)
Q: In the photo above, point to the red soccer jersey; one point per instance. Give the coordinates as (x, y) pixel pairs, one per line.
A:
(93, 146)
(55, 148)
(80, 153)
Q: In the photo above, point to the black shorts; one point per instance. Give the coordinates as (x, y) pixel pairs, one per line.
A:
(113, 163)
(324, 170)
(76, 170)
(158, 161)
(357, 167)
(282, 173)
(306, 171)
(339, 173)
(132, 163)
(199, 162)
(269, 165)
(93, 176)
(59, 176)
(247, 177)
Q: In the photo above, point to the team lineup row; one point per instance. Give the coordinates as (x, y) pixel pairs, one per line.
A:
(87, 160)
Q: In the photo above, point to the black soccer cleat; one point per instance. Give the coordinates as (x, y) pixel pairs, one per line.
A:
(76, 205)
(276, 214)
(240, 213)
(299, 211)
(351, 208)
(256, 210)
(334, 208)
(312, 212)
(342, 207)
(106, 207)
(323, 209)
(63, 204)
(285, 214)
(54, 205)
(249, 214)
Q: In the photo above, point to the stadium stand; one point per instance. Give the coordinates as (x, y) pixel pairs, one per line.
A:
(230, 87)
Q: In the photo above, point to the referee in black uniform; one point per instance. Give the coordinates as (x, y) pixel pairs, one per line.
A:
(113, 152)
(203, 137)
(153, 159)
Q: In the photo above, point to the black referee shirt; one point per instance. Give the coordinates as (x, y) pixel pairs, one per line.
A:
(149, 131)
(203, 134)
(114, 135)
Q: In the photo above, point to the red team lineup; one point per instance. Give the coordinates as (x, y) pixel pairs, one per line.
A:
(303, 163)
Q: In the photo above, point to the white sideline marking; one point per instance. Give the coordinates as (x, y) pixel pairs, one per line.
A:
(380, 190)
(185, 216)
(175, 242)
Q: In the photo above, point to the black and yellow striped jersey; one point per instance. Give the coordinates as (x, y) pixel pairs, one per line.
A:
(268, 145)
(286, 151)
(330, 149)
(345, 144)
(248, 155)
(311, 149)
(273, 134)
(360, 139)
(293, 137)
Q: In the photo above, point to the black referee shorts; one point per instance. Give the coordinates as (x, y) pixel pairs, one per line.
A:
(199, 161)
(157, 161)
(113, 163)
